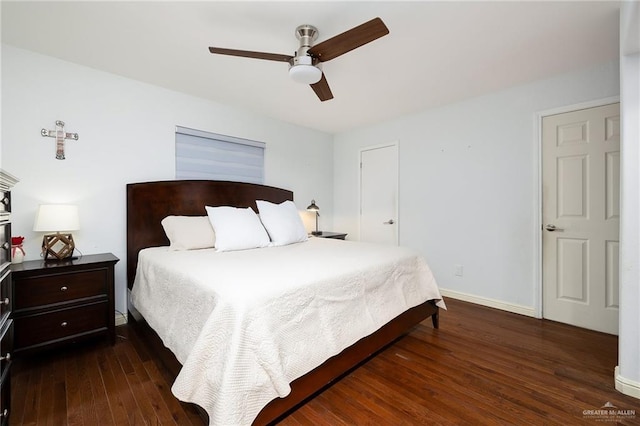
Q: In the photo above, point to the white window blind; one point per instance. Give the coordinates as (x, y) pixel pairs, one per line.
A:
(205, 155)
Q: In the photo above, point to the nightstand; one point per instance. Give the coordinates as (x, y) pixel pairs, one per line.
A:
(333, 235)
(62, 302)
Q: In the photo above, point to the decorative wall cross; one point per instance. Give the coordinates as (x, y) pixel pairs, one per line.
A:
(60, 136)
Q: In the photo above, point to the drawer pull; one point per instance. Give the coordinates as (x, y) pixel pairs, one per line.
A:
(63, 324)
(6, 245)
(5, 301)
(5, 413)
(7, 357)
(64, 288)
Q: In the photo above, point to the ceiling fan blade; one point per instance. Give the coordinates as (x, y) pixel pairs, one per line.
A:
(322, 89)
(349, 40)
(250, 54)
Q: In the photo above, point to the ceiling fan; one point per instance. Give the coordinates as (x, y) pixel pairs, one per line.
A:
(305, 65)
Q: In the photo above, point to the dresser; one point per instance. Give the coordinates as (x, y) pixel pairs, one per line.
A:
(6, 300)
(61, 302)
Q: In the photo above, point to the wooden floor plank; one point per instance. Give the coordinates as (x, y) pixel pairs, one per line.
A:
(45, 397)
(112, 387)
(173, 405)
(89, 413)
(32, 400)
(73, 393)
(19, 387)
(101, 401)
(483, 366)
(154, 394)
(59, 397)
(136, 377)
(125, 396)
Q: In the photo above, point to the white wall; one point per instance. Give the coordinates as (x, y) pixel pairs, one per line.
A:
(469, 183)
(126, 131)
(627, 377)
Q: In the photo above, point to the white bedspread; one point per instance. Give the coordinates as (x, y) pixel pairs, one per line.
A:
(245, 324)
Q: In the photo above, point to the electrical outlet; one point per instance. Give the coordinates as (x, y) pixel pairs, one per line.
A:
(457, 270)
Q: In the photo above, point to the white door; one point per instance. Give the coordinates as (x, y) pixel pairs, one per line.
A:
(580, 213)
(379, 194)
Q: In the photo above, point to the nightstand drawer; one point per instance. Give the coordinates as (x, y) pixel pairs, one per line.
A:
(5, 295)
(6, 346)
(61, 324)
(44, 290)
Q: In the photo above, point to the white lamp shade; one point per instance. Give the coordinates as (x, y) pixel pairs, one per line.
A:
(56, 218)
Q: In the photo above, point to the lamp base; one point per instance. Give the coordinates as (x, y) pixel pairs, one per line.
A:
(57, 246)
(316, 232)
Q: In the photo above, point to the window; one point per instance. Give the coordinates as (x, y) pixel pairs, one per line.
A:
(204, 155)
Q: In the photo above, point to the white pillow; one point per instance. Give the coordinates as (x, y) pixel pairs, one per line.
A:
(236, 228)
(283, 222)
(188, 232)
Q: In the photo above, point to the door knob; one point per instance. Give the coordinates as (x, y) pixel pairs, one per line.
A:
(389, 222)
(551, 228)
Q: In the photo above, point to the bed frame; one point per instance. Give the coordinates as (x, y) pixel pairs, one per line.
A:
(148, 203)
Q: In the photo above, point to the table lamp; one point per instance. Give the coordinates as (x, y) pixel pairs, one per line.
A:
(57, 218)
(314, 208)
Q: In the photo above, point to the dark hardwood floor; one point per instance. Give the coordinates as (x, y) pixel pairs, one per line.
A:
(483, 366)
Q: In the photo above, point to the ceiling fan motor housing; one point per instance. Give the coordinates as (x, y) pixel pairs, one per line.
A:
(307, 34)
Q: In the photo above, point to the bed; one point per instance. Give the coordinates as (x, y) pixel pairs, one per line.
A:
(148, 203)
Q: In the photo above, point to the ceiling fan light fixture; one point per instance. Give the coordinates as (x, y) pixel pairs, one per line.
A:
(306, 74)
(303, 70)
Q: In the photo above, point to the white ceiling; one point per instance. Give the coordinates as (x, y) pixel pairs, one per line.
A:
(436, 52)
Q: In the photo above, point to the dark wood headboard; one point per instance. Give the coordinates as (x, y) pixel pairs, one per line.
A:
(150, 202)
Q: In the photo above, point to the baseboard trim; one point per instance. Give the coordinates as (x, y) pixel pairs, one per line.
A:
(121, 319)
(491, 303)
(626, 386)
